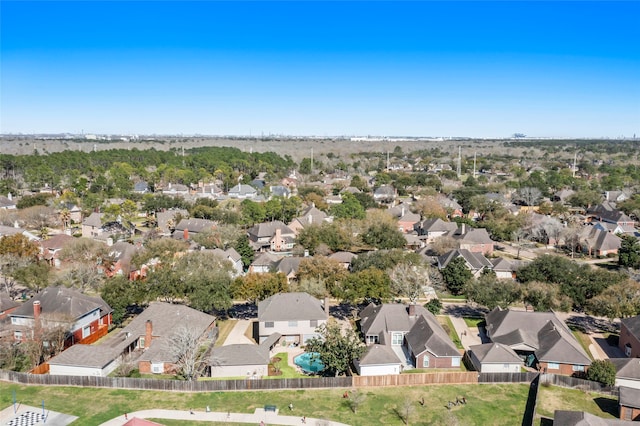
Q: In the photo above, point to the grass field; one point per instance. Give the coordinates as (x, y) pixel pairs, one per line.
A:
(474, 322)
(553, 398)
(487, 404)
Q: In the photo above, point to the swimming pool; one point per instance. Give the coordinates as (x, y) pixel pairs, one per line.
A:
(309, 362)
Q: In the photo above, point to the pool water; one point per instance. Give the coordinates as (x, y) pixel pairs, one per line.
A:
(309, 362)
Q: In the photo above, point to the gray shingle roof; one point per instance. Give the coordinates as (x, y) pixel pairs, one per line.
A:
(195, 225)
(94, 219)
(291, 307)
(239, 355)
(495, 353)
(476, 261)
(95, 356)
(379, 355)
(633, 325)
(580, 418)
(268, 229)
(63, 302)
(627, 368)
(629, 397)
(379, 320)
(428, 335)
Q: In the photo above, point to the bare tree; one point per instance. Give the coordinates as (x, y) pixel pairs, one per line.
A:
(406, 410)
(409, 280)
(184, 345)
(444, 244)
(529, 195)
(572, 235)
(356, 399)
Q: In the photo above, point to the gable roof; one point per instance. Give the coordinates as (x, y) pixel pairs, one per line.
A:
(56, 242)
(92, 356)
(379, 320)
(94, 219)
(469, 235)
(7, 302)
(581, 418)
(629, 397)
(343, 256)
(62, 302)
(311, 215)
(379, 355)
(427, 335)
(475, 261)
(289, 265)
(195, 225)
(544, 332)
(627, 368)
(291, 307)
(437, 225)
(495, 353)
(268, 229)
(602, 240)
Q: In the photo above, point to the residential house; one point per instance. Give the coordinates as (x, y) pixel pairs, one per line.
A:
(385, 194)
(208, 190)
(187, 228)
(232, 256)
(627, 372)
(406, 218)
(378, 360)
(582, 418)
(475, 262)
(388, 323)
(629, 403)
(504, 268)
(7, 203)
(141, 187)
(239, 360)
(562, 195)
(343, 257)
(15, 229)
(629, 341)
(81, 316)
(264, 263)
(429, 345)
(92, 225)
(280, 191)
(289, 267)
(96, 228)
(120, 255)
(476, 240)
(494, 358)
(541, 338)
(50, 249)
(242, 192)
(596, 242)
(310, 216)
(274, 236)
(616, 196)
(7, 305)
(296, 316)
(430, 229)
(176, 190)
(145, 342)
(606, 212)
(452, 207)
(167, 220)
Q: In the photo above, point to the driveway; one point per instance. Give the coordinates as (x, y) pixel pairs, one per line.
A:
(237, 337)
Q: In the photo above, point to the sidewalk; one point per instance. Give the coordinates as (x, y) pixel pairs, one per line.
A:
(237, 334)
(469, 336)
(269, 418)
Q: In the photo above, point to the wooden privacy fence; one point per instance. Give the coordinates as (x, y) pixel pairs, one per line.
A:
(417, 379)
(576, 383)
(525, 377)
(41, 369)
(176, 385)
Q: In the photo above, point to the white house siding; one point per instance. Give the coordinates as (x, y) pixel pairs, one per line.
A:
(503, 274)
(86, 320)
(628, 383)
(500, 368)
(302, 328)
(379, 370)
(70, 370)
(239, 371)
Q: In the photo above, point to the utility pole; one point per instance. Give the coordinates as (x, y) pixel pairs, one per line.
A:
(474, 165)
(459, 168)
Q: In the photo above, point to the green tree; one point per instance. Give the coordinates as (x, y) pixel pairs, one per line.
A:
(122, 295)
(434, 306)
(545, 297)
(489, 291)
(34, 275)
(369, 284)
(256, 287)
(602, 371)
(456, 275)
(620, 300)
(384, 236)
(337, 348)
(245, 250)
(629, 252)
(350, 208)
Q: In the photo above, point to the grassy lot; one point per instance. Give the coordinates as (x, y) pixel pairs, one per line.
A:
(487, 404)
(288, 372)
(474, 322)
(224, 328)
(552, 398)
(446, 323)
(584, 341)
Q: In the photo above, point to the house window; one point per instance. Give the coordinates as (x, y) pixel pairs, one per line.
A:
(268, 324)
(157, 367)
(313, 323)
(455, 362)
(86, 331)
(425, 361)
(578, 368)
(17, 335)
(14, 320)
(141, 342)
(372, 339)
(553, 366)
(396, 339)
(293, 323)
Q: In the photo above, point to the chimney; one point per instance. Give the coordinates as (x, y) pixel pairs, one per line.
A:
(412, 310)
(148, 335)
(185, 234)
(37, 309)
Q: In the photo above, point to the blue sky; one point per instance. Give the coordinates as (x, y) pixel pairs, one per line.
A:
(485, 69)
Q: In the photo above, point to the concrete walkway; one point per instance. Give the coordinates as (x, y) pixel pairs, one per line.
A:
(269, 418)
(469, 336)
(237, 334)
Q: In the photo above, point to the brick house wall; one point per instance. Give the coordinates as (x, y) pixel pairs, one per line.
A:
(565, 369)
(434, 361)
(629, 413)
(627, 338)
